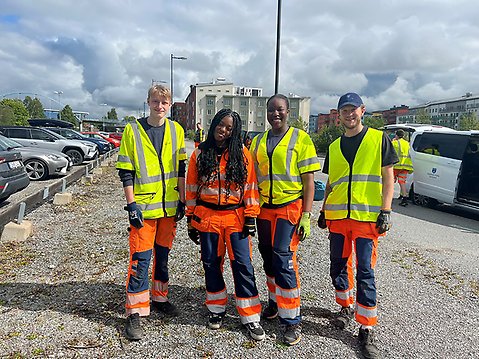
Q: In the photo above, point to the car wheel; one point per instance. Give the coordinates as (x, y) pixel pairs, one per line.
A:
(76, 156)
(420, 200)
(37, 170)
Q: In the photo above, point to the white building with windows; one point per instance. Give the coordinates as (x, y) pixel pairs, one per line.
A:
(206, 99)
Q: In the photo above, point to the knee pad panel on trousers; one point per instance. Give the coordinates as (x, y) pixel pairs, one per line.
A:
(138, 279)
(241, 248)
(161, 263)
(244, 280)
(283, 267)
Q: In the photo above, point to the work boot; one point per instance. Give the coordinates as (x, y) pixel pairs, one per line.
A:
(215, 320)
(344, 317)
(369, 350)
(403, 202)
(271, 311)
(165, 307)
(291, 333)
(255, 331)
(133, 329)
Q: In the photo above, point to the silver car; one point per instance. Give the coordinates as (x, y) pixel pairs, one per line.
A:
(40, 163)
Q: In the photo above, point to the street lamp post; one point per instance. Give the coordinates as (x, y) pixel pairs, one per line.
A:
(173, 57)
(278, 45)
(59, 93)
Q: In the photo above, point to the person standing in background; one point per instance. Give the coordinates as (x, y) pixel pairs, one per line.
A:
(151, 164)
(404, 166)
(357, 210)
(199, 134)
(285, 161)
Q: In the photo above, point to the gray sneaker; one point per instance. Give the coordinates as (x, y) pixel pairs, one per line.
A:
(133, 329)
(215, 320)
(291, 333)
(255, 331)
(344, 317)
(369, 350)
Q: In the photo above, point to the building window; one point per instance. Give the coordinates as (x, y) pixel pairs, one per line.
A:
(227, 101)
(260, 113)
(209, 111)
(260, 103)
(210, 102)
(243, 113)
(243, 103)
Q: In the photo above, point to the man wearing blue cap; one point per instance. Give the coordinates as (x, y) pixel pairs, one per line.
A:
(357, 210)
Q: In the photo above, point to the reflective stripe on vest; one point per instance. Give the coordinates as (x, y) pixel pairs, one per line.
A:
(279, 175)
(356, 192)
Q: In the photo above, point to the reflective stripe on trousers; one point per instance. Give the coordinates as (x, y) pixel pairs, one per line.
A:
(363, 235)
(278, 245)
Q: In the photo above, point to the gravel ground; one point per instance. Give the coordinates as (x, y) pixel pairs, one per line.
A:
(62, 293)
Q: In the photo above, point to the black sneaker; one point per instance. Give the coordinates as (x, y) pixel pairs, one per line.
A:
(215, 320)
(369, 350)
(403, 202)
(255, 331)
(400, 197)
(270, 312)
(133, 329)
(165, 307)
(291, 333)
(344, 317)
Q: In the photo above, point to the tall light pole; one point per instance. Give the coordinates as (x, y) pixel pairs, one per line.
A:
(278, 45)
(59, 93)
(173, 57)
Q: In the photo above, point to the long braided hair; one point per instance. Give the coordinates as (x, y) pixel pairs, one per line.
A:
(208, 161)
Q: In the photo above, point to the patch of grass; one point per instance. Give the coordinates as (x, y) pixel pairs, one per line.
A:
(32, 336)
(249, 344)
(38, 351)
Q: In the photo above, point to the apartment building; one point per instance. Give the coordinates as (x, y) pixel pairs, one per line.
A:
(205, 99)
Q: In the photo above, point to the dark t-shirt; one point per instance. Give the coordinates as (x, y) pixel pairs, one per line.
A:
(350, 146)
(156, 135)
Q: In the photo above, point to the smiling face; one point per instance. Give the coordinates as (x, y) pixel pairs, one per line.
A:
(159, 106)
(223, 131)
(350, 117)
(278, 115)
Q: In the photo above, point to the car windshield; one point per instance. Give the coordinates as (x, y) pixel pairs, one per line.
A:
(7, 143)
(54, 134)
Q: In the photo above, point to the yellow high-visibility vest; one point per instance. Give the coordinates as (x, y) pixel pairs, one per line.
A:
(402, 149)
(279, 176)
(156, 176)
(356, 192)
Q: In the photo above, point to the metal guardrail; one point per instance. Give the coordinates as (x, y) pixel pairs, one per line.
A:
(35, 200)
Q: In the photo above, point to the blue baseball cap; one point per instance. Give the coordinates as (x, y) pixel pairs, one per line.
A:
(350, 98)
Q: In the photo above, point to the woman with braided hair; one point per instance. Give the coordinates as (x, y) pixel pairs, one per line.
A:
(222, 202)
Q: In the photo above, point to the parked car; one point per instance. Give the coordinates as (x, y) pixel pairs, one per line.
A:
(113, 142)
(446, 168)
(116, 135)
(77, 150)
(40, 163)
(103, 145)
(13, 177)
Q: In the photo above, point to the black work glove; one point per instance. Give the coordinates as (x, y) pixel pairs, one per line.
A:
(384, 223)
(249, 228)
(180, 211)
(134, 215)
(322, 220)
(193, 233)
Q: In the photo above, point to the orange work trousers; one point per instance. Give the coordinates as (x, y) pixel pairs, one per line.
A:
(156, 236)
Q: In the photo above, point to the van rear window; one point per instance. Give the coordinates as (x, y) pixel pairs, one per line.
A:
(441, 144)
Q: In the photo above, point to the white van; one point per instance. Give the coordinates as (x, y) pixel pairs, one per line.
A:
(446, 168)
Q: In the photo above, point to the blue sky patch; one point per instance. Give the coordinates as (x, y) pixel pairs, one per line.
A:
(9, 19)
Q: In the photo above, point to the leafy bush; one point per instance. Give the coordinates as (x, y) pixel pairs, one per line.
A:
(325, 137)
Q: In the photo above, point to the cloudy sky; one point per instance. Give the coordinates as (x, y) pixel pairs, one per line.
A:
(98, 52)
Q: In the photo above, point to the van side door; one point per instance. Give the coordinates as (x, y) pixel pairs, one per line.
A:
(437, 159)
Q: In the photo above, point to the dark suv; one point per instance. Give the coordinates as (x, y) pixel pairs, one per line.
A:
(13, 177)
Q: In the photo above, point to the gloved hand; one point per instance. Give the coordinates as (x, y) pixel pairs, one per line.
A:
(134, 215)
(180, 211)
(322, 220)
(384, 223)
(249, 228)
(304, 226)
(193, 232)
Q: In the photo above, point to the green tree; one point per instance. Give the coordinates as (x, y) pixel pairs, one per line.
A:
(374, 122)
(34, 107)
(325, 137)
(112, 115)
(67, 115)
(19, 111)
(422, 116)
(468, 121)
(7, 116)
(299, 123)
